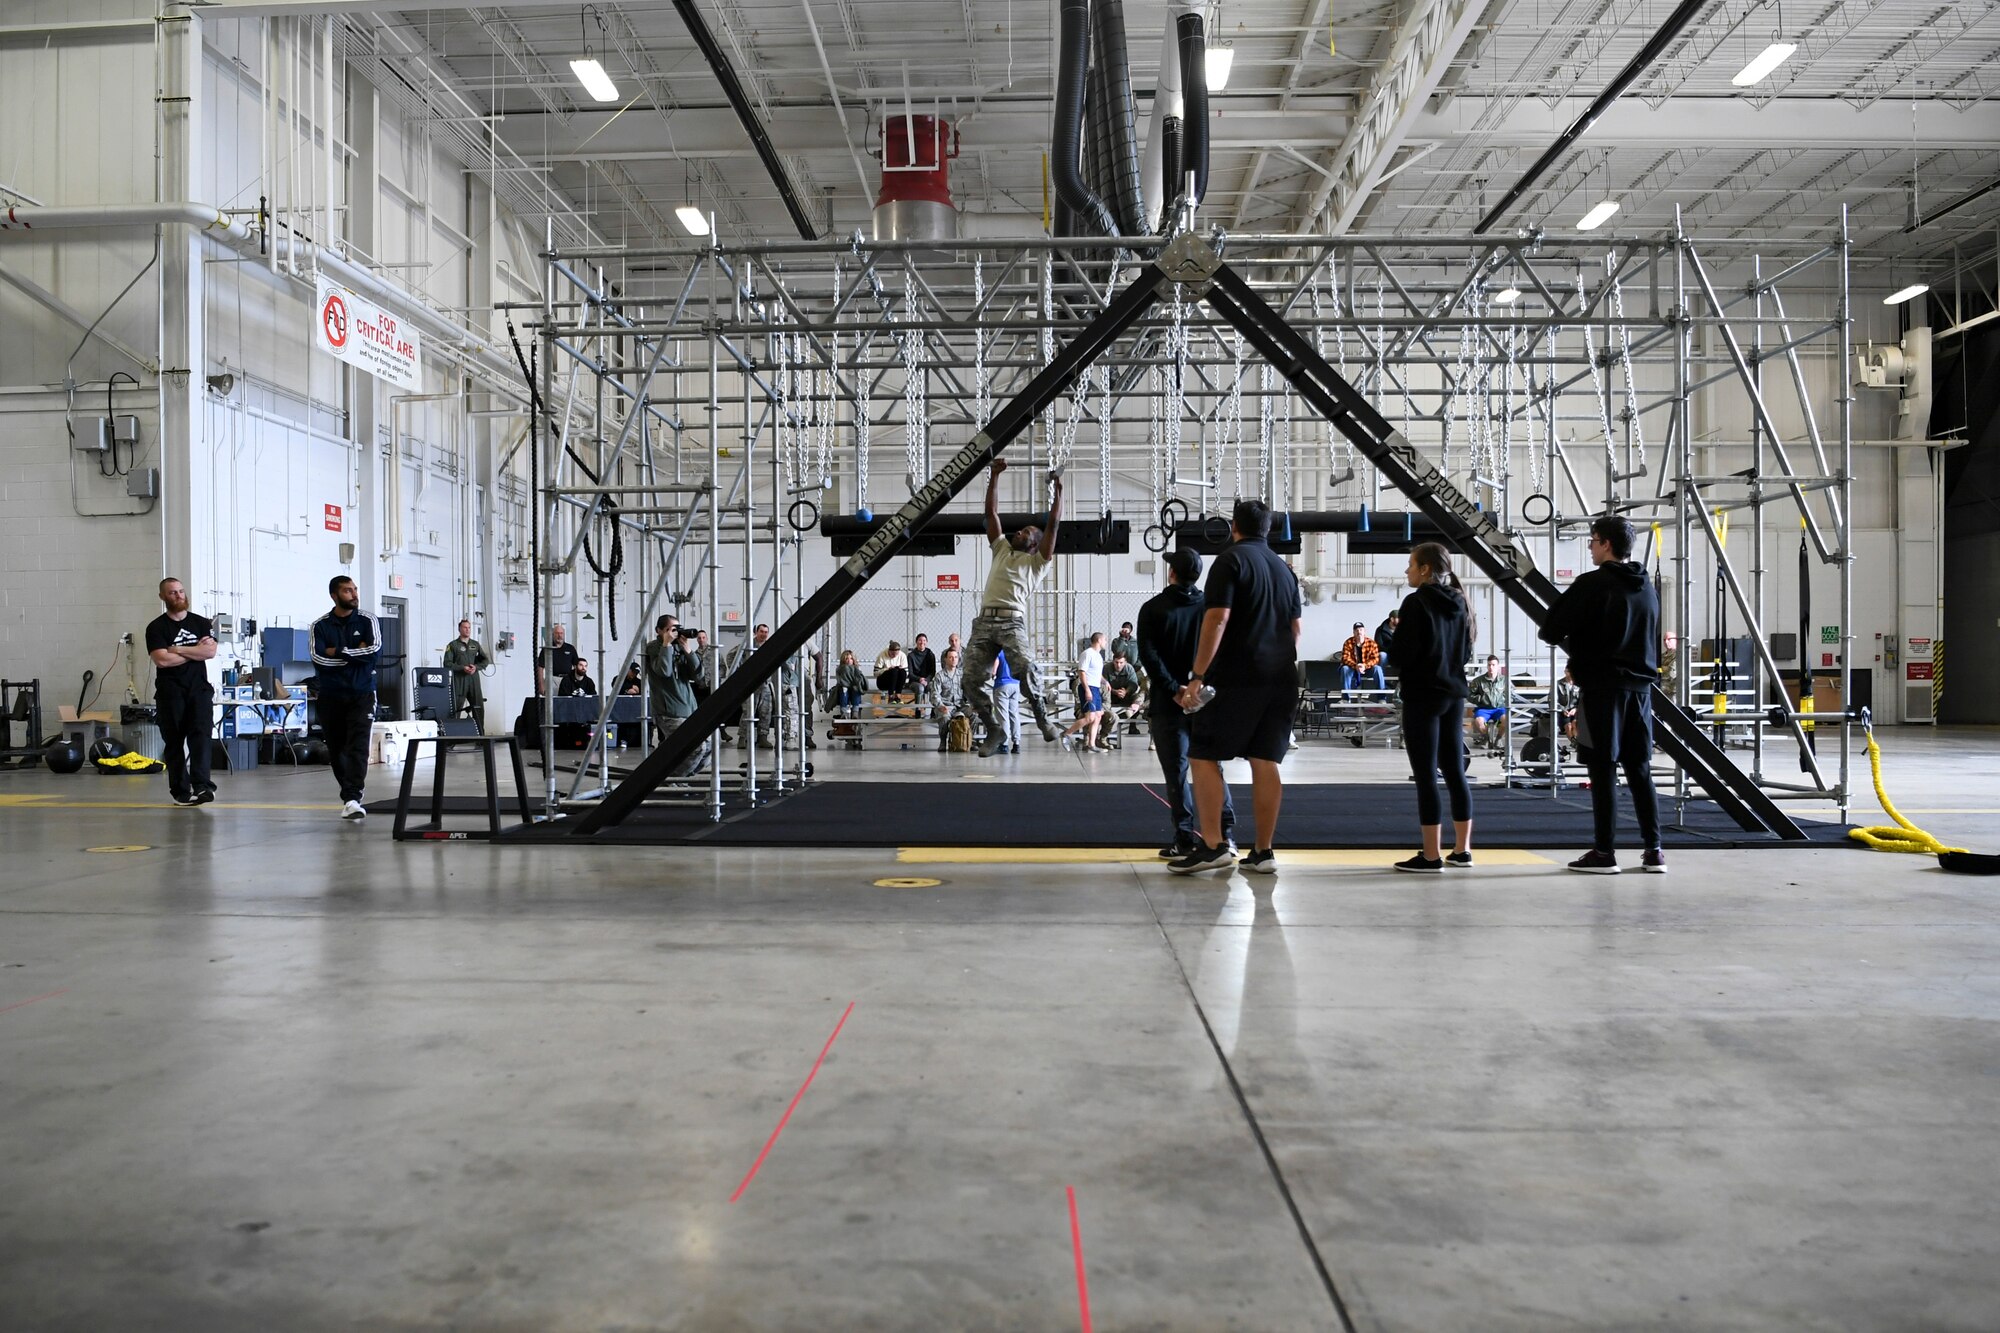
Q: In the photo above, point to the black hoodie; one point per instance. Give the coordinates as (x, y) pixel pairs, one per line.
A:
(1609, 623)
(1433, 644)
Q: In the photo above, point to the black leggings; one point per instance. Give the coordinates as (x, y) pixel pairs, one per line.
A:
(1433, 735)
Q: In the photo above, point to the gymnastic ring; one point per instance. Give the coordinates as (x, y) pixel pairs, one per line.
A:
(1157, 538)
(1215, 529)
(812, 516)
(1547, 510)
(1167, 518)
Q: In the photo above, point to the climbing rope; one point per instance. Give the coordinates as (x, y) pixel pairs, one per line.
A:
(1903, 836)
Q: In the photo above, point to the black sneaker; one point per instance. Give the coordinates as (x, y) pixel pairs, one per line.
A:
(1654, 862)
(1203, 858)
(1263, 862)
(204, 796)
(1595, 863)
(183, 800)
(1421, 865)
(1459, 860)
(1176, 849)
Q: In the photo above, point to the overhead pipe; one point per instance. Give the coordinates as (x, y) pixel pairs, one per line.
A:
(1120, 146)
(1655, 45)
(1157, 172)
(1194, 92)
(760, 138)
(210, 221)
(1066, 162)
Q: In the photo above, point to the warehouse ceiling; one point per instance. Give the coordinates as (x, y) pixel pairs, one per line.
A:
(1412, 118)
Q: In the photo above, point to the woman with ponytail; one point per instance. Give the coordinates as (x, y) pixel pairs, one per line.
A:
(1433, 644)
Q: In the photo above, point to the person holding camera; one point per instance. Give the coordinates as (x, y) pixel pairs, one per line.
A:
(672, 666)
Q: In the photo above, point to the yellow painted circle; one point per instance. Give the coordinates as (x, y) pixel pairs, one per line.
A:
(125, 847)
(907, 882)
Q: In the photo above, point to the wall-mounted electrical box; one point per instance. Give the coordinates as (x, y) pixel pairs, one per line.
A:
(505, 643)
(143, 483)
(122, 428)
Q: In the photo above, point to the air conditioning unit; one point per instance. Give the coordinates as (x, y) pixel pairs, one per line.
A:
(1880, 367)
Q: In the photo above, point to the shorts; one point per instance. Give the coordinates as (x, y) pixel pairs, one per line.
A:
(1488, 714)
(1093, 699)
(1244, 722)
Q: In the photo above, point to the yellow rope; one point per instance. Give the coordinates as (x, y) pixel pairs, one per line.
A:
(1903, 836)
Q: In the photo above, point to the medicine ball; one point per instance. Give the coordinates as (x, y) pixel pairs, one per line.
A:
(107, 749)
(63, 755)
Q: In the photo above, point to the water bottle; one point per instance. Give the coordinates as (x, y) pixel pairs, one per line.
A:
(1202, 697)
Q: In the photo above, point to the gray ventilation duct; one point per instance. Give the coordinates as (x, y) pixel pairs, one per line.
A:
(1066, 161)
(1121, 142)
(1194, 92)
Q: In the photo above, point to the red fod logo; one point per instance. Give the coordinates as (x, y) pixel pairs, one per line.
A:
(333, 318)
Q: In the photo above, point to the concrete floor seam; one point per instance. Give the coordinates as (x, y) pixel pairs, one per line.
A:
(1250, 1119)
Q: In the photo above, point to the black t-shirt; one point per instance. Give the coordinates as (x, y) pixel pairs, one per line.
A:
(166, 632)
(561, 659)
(1262, 596)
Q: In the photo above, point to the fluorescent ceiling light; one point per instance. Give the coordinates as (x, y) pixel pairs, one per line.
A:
(1597, 216)
(1507, 295)
(1914, 289)
(1217, 60)
(595, 81)
(692, 218)
(1772, 56)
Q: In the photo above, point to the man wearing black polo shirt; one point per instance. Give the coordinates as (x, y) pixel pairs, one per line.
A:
(181, 644)
(1249, 653)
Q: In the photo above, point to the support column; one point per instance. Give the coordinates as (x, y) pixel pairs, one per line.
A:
(186, 467)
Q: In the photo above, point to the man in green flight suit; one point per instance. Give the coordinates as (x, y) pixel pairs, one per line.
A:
(463, 657)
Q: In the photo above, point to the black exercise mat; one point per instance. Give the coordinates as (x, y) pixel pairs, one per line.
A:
(1131, 814)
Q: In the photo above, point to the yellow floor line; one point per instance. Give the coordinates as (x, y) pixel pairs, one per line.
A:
(1345, 856)
(27, 802)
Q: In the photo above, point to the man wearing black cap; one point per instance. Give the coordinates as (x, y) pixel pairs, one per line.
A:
(1361, 659)
(1169, 628)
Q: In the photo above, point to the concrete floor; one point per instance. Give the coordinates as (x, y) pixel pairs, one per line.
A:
(266, 1071)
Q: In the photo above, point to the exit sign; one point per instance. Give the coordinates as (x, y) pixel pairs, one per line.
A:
(947, 583)
(1829, 634)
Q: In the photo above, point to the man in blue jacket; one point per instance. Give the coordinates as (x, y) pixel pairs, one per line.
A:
(345, 645)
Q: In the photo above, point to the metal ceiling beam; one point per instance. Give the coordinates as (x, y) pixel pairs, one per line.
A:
(1684, 14)
(1710, 122)
(732, 88)
(1422, 49)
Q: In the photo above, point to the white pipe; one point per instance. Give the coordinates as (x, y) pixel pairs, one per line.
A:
(1166, 102)
(211, 221)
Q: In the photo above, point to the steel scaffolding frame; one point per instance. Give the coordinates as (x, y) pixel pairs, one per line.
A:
(818, 338)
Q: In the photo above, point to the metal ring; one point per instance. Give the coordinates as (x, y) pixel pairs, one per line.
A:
(1157, 539)
(1215, 528)
(1167, 518)
(1548, 510)
(792, 516)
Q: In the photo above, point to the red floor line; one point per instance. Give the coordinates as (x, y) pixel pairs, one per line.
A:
(18, 1003)
(1156, 796)
(772, 1141)
(1076, 1243)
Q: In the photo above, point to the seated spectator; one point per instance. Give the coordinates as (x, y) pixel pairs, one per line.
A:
(1122, 701)
(1490, 696)
(575, 735)
(1385, 637)
(1568, 698)
(849, 685)
(1361, 659)
(947, 697)
(892, 671)
(923, 666)
(634, 683)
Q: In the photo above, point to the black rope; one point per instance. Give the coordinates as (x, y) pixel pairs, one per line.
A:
(534, 490)
(607, 508)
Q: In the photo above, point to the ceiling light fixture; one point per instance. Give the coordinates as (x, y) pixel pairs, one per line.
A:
(693, 219)
(1218, 59)
(1914, 289)
(1597, 216)
(1772, 56)
(589, 70)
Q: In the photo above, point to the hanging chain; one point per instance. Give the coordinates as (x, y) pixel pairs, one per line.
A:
(982, 391)
(1176, 403)
(1597, 384)
(1631, 414)
(1154, 402)
(1049, 340)
(1104, 440)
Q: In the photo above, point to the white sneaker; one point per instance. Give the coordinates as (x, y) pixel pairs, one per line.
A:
(354, 810)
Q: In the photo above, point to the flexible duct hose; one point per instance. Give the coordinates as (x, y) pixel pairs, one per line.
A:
(1194, 92)
(1171, 149)
(1065, 159)
(1121, 150)
(1096, 136)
